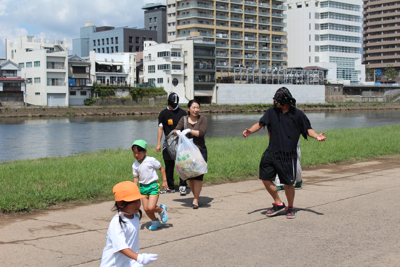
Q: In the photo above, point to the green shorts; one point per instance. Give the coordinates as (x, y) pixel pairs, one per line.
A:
(152, 189)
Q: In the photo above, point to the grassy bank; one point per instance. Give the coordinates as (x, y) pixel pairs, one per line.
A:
(38, 184)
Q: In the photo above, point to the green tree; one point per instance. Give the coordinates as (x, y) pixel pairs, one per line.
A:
(369, 72)
(390, 72)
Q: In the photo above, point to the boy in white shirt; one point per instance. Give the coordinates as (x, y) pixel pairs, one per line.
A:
(144, 171)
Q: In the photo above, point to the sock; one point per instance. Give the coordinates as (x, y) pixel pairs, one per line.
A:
(280, 204)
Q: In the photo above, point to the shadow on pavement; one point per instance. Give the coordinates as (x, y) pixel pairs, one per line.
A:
(264, 211)
(204, 202)
(163, 226)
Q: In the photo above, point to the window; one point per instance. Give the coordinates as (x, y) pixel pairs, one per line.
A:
(155, 28)
(175, 82)
(130, 48)
(151, 69)
(37, 79)
(130, 39)
(155, 19)
(112, 49)
(78, 69)
(137, 48)
(72, 93)
(116, 49)
(55, 82)
(150, 19)
(137, 39)
(176, 67)
(83, 93)
(150, 28)
(107, 40)
(108, 50)
(163, 54)
(21, 65)
(98, 50)
(94, 42)
(160, 80)
(164, 67)
(175, 54)
(112, 40)
(37, 93)
(102, 41)
(116, 40)
(98, 41)
(151, 81)
(29, 64)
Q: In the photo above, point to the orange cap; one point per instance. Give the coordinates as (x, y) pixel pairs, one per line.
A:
(127, 191)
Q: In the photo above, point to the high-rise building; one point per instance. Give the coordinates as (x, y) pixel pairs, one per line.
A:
(381, 35)
(155, 16)
(326, 34)
(247, 33)
(108, 40)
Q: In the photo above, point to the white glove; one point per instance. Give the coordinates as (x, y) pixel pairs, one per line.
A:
(184, 132)
(178, 132)
(146, 258)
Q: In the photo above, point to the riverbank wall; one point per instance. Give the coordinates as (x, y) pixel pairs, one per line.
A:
(146, 110)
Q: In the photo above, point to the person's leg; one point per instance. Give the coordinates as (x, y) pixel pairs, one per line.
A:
(289, 191)
(271, 188)
(149, 213)
(196, 186)
(169, 171)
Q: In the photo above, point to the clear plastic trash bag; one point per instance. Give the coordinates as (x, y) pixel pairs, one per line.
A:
(189, 162)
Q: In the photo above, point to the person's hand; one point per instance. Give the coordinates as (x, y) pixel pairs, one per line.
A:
(178, 132)
(146, 258)
(321, 137)
(164, 185)
(185, 132)
(246, 133)
(158, 148)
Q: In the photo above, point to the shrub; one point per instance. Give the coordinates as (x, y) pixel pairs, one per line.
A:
(89, 101)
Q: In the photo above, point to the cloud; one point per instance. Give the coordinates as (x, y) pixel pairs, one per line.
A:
(63, 19)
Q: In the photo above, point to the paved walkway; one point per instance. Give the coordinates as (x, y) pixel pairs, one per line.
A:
(348, 215)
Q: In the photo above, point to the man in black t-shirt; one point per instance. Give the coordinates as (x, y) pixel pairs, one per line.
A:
(167, 122)
(285, 124)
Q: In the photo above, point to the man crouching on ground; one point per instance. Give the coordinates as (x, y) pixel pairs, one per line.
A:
(285, 123)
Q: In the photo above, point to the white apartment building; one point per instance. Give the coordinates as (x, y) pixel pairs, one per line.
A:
(326, 34)
(163, 67)
(185, 66)
(117, 69)
(43, 66)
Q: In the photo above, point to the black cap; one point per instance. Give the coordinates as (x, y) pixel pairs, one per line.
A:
(173, 100)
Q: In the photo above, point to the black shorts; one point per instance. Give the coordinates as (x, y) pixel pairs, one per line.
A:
(271, 165)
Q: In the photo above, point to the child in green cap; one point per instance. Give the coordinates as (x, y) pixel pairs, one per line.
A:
(144, 171)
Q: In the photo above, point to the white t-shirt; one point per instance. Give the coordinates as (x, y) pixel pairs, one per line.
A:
(147, 170)
(119, 238)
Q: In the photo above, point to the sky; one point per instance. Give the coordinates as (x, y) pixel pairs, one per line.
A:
(58, 19)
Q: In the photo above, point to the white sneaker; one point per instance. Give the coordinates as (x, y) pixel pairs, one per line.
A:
(182, 190)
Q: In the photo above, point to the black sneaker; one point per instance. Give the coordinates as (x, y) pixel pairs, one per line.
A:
(298, 185)
(276, 209)
(291, 213)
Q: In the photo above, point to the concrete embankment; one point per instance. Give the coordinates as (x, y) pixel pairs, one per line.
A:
(146, 110)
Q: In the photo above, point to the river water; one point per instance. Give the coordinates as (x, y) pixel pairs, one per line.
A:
(23, 138)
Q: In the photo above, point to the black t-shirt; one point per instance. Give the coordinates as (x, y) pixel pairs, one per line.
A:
(285, 129)
(170, 119)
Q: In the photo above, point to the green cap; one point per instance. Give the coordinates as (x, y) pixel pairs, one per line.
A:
(140, 143)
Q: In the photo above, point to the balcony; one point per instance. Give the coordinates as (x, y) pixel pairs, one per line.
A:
(277, 58)
(263, 39)
(277, 41)
(222, 8)
(265, 22)
(278, 15)
(222, 55)
(195, 5)
(236, 19)
(236, 55)
(277, 49)
(222, 17)
(236, 37)
(250, 47)
(264, 48)
(206, 34)
(222, 45)
(274, 23)
(201, 15)
(176, 72)
(281, 7)
(251, 56)
(237, 1)
(222, 35)
(237, 10)
(250, 21)
(247, 11)
(249, 38)
(222, 64)
(236, 46)
(250, 3)
(176, 59)
(266, 5)
(263, 58)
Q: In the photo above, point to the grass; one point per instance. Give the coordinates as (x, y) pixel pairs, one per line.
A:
(38, 184)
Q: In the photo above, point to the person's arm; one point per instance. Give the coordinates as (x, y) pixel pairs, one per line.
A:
(179, 127)
(135, 180)
(159, 136)
(201, 132)
(313, 134)
(130, 253)
(164, 178)
(255, 128)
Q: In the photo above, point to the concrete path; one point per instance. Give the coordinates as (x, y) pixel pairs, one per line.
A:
(348, 215)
